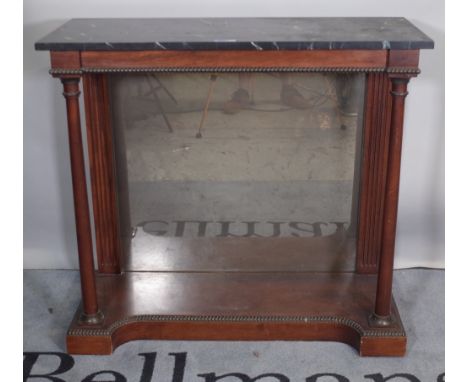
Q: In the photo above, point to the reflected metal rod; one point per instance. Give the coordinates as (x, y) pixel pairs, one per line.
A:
(213, 78)
(154, 92)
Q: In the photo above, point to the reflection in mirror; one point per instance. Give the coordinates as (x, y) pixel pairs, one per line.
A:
(238, 172)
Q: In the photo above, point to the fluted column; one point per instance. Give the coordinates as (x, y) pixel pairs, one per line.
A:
(383, 301)
(91, 313)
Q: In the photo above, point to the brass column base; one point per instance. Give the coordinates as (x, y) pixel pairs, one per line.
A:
(377, 321)
(91, 319)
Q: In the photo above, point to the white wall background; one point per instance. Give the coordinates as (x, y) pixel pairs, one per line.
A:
(49, 236)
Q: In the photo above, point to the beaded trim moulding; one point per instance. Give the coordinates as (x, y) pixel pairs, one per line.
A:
(221, 318)
(233, 70)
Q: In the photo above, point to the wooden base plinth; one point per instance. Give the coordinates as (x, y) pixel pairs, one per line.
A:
(237, 306)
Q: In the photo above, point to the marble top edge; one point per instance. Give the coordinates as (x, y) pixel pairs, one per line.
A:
(236, 34)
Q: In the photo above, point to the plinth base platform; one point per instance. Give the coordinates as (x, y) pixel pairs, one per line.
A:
(237, 306)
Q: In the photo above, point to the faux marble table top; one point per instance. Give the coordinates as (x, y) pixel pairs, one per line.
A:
(236, 34)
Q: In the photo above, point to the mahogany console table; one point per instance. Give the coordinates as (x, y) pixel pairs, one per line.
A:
(244, 177)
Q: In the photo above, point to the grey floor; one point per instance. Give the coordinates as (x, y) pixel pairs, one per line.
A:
(50, 299)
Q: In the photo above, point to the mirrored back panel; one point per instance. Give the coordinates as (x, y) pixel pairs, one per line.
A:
(248, 172)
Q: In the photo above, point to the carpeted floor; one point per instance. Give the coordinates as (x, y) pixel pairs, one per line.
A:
(51, 297)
